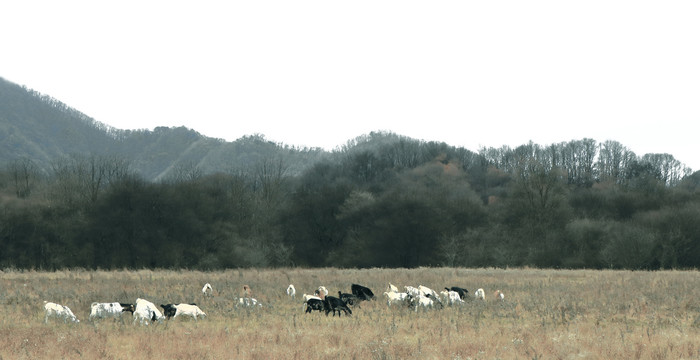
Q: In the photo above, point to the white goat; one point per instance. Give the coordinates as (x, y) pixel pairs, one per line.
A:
(322, 289)
(424, 302)
(480, 294)
(291, 291)
(105, 310)
(189, 310)
(145, 312)
(410, 290)
(394, 297)
(306, 297)
(392, 288)
(207, 290)
(451, 297)
(428, 291)
(248, 302)
(58, 311)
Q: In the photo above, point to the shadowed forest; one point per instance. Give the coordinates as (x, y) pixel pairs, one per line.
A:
(382, 200)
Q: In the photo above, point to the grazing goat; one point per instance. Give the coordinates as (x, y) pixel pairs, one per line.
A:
(425, 302)
(169, 310)
(175, 310)
(463, 293)
(428, 291)
(362, 292)
(113, 310)
(334, 304)
(451, 297)
(349, 299)
(392, 288)
(394, 297)
(248, 302)
(207, 290)
(307, 297)
(314, 304)
(291, 291)
(410, 290)
(58, 311)
(480, 294)
(498, 295)
(146, 312)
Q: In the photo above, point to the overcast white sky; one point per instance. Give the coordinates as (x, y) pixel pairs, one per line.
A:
(318, 73)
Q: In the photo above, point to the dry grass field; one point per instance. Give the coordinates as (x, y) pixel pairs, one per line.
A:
(546, 314)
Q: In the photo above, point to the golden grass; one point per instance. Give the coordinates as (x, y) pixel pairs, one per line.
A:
(547, 314)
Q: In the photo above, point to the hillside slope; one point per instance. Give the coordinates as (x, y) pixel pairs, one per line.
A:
(40, 128)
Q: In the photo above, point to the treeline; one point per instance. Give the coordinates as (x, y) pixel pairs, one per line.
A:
(381, 200)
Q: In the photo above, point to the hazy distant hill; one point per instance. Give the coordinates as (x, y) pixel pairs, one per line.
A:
(43, 129)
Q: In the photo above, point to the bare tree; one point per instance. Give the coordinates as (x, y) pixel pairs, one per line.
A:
(185, 172)
(79, 179)
(269, 177)
(614, 160)
(667, 168)
(24, 173)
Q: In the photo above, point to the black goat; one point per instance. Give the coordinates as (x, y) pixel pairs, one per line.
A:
(362, 292)
(463, 293)
(334, 304)
(349, 299)
(315, 304)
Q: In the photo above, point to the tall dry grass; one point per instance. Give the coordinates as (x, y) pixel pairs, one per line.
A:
(547, 314)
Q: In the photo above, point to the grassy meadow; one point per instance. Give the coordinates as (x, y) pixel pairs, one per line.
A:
(546, 314)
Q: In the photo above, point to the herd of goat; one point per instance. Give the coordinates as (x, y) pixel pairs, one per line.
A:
(145, 312)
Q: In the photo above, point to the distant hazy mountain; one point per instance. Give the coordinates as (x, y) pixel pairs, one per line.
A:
(43, 129)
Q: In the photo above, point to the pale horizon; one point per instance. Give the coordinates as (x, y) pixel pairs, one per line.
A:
(317, 74)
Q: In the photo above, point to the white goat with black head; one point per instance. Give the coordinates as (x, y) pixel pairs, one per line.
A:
(175, 310)
(107, 310)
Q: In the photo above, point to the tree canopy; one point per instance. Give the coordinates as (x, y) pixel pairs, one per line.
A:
(382, 200)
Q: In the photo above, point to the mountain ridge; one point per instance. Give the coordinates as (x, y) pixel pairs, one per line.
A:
(43, 129)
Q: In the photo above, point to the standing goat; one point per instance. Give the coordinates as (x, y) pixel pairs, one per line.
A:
(207, 290)
(480, 294)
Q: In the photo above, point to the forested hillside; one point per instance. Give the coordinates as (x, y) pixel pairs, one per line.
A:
(171, 198)
(48, 132)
